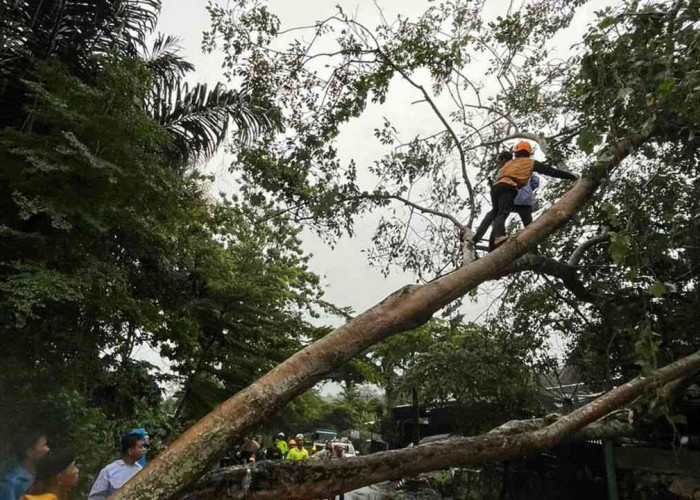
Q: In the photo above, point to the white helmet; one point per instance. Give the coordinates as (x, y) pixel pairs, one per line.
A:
(280, 435)
(299, 437)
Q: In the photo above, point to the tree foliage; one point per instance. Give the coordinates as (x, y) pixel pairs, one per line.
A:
(111, 240)
(632, 73)
(111, 243)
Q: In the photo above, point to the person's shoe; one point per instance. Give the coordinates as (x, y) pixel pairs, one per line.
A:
(499, 241)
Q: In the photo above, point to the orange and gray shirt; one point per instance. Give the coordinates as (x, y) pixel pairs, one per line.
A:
(517, 172)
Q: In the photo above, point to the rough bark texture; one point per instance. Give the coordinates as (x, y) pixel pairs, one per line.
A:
(515, 439)
(197, 450)
(551, 267)
(280, 479)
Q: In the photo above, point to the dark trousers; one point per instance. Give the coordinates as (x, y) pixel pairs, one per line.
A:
(524, 211)
(502, 196)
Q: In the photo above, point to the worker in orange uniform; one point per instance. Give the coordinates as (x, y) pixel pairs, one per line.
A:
(512, 176)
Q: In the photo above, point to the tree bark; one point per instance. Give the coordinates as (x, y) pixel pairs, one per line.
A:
(551, 267)
(198, 449)
(271, 480)
(281, 479)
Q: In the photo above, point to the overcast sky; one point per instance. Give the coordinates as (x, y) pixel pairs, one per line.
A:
(347, 277)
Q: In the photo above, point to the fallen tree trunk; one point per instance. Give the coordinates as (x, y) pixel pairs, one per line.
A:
(196, 451)
(271, 480)
(281, 479)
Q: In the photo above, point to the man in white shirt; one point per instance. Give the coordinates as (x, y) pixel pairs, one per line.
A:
(116, 474)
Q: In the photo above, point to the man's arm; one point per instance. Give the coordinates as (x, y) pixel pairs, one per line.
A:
(543, 169)
(100, 488)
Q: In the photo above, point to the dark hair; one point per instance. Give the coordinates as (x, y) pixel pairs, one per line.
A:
(522, 154)
(505, 155)
(52, 464)
(26, 440)
(129, 441)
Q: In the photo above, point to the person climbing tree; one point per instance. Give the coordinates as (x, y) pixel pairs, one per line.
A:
(502, 158)
(513, 175)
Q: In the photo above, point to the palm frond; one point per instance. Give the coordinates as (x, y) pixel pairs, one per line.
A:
(199, 119)
(165, 61)
(74, 30)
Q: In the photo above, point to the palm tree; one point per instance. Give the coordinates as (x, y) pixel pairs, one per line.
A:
(197, 118)
(77, 32)
(74, 30)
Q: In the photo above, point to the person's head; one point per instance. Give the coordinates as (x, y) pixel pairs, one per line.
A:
(280, 436)
(56, 471)
(30, 446)
(144, 439)
(523, 149)
(132, 447)
(337, 450)
(292, 442)
(141, 432)
(299, 438)
(504, 157)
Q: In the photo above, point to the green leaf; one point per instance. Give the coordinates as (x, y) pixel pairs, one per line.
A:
(657, 289)
(607, 22)
(587, 140)
(619, 247)
(666, 87)
(611, 211)
(648, 125)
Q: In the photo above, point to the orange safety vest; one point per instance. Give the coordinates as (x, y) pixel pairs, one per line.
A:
(516, 172)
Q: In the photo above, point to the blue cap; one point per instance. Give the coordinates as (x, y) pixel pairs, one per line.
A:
(140, 432)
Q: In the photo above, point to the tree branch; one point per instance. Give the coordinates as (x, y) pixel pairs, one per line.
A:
(448, 127)
(517, 135)
(550, 267)
(583, 247)
(422, 209)
(197, 450)
(514, 439)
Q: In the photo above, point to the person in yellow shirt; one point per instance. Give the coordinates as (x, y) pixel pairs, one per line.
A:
(281, 446)
(298, 453)
(56, 475)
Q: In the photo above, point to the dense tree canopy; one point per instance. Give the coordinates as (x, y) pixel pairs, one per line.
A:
(111, 238)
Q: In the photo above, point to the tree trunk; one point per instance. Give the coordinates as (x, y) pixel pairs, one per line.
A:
(416, 417)
(197, 450)
(271, 480)
(189, 383)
